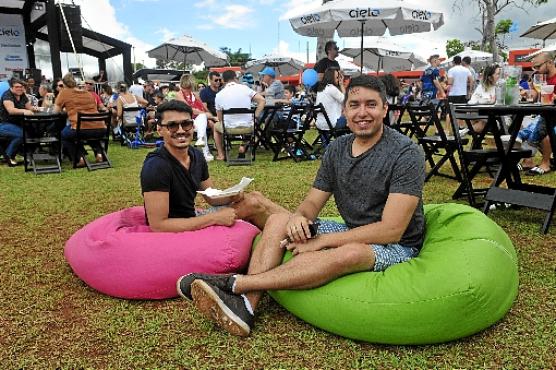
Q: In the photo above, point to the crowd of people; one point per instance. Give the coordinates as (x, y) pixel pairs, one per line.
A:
(460, 84)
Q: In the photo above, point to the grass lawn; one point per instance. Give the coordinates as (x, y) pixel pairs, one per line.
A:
(49, 318)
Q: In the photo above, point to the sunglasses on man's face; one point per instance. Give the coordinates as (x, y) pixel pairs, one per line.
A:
(172, 126)
(60, 85)
(538, 66)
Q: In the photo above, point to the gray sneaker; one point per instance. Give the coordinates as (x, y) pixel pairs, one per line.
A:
(226, 309)
(183, 285)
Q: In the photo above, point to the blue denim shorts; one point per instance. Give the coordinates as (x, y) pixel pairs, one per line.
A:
(206, 211)
(385, 255)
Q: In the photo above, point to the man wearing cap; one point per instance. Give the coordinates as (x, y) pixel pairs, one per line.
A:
(209, 94)
(331, 50)
(274, 89)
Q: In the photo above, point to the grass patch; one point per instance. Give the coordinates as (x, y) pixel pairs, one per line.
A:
(49, 318)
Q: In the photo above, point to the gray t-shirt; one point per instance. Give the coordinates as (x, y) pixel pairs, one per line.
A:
(361, 185)
(275, 90)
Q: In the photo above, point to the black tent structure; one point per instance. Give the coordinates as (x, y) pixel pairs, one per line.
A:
(41, 21)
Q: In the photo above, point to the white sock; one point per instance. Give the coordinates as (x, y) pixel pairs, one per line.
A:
(248, 304)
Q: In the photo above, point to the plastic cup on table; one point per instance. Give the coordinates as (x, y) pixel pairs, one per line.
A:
(547, 93)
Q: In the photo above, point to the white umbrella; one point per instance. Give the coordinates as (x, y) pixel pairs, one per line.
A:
(358, 18)
(189, 51)
(549, 48)
(349, 68)
(383, 55)
(283, 66)
(543, 30)
(479, 58)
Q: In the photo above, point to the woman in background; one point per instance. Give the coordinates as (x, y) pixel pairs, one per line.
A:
(330, 92)
(485, 93)
(202, 118)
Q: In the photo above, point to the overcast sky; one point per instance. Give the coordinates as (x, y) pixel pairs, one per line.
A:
(258, 25)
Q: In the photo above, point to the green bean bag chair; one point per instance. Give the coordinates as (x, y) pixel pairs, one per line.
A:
(464, 280)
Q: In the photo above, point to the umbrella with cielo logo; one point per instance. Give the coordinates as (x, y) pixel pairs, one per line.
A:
(383, 55)
(356, 18)
(283, 65)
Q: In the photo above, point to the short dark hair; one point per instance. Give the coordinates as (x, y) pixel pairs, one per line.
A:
(290, 88)
(391, 84)
(172, 105)
(467, 60)
(15, 80)
(457, 60)
(328, 45)
(368, 82)
(228, 75)
(213, 74)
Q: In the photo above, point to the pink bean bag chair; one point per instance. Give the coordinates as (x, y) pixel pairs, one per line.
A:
(120, 256)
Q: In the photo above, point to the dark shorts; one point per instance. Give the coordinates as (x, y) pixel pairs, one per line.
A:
(457, 99)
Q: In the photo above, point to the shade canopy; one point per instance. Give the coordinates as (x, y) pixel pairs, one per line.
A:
(350, 17)
(189, 51)
(359, 18)
(542, 31)
(283, 66)
(381, 54)
(549, 48)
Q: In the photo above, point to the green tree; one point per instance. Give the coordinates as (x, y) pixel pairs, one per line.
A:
(138, 66)
(503, 28)
(237, 58)
(453, 47)
(489, 9)
(201, 76)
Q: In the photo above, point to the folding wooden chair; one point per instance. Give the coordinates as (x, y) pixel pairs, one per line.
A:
(239, 135)
(325, 137)
(286, 136)
(474, 158)
(438, 145)
(42, 144)
(82, 137)
(403, 126)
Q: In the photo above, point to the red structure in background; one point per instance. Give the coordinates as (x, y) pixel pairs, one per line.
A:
(517, 58)
(222, 69)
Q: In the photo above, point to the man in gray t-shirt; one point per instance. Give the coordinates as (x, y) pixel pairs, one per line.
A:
(361, 185)
(376, 176)
(274, 88)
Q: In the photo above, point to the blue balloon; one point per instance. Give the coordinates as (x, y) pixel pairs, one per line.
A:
(4, 86)
(309, 77)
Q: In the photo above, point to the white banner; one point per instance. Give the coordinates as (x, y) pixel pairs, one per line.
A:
(13, 54)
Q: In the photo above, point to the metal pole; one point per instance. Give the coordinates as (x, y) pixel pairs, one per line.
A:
(362, 30)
